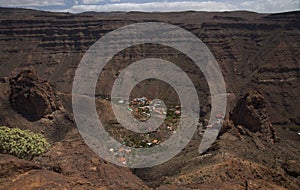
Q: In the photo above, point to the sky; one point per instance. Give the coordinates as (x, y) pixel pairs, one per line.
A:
(77, 6)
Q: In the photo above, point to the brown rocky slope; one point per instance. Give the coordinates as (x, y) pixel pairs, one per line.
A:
(255, 51)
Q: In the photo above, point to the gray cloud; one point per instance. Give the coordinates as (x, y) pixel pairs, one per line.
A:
(91, 2)
(270, 5)
(30, 3)
(76, 6)
(251, 5)
(156, 6)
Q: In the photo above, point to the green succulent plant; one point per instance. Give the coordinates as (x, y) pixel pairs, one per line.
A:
(22, 143)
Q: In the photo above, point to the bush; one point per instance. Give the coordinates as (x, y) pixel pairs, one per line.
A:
(22, 143)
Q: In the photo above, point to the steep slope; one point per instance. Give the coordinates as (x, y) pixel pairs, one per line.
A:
(255, 52)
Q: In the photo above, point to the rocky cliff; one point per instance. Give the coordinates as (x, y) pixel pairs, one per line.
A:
(255, 51)
(259, 58)
(33, 97)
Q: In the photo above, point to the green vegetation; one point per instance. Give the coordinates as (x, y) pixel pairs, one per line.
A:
(22, 143)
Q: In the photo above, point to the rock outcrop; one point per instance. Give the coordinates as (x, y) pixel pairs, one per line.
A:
(32, 97)
(251, 113)
(254, 51)
(22, 174)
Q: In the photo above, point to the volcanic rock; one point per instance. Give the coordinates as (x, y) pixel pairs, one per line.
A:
(22, 174)
(32, 97)
(251, 113)
(254, 51)
(227, 125)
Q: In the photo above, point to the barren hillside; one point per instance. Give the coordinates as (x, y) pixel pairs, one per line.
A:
(259, 57)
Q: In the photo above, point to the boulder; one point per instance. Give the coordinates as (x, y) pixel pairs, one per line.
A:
(32, 96)
(251, 113)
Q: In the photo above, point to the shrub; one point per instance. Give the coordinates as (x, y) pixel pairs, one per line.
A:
(22, 143)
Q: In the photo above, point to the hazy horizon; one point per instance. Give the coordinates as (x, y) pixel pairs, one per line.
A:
(78, 6)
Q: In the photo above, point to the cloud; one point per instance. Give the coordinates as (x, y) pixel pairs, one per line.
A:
(91, 2)
(156, 6)
(270, 5)
(31, 3)
(76, 6)
(264, 6)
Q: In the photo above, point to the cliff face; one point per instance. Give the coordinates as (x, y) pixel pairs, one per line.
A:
(255, 51)
(32, 97)
(251, 113)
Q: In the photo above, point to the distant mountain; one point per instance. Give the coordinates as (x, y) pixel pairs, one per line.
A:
(256, 52)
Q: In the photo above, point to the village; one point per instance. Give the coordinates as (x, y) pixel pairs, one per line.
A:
(142, 108)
